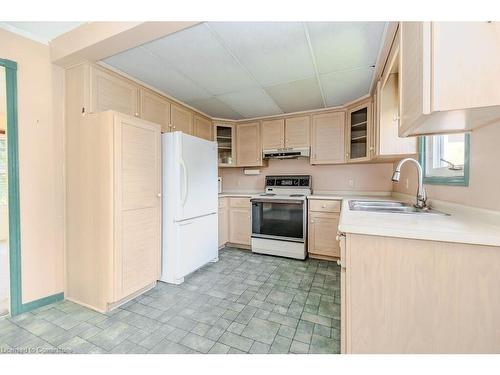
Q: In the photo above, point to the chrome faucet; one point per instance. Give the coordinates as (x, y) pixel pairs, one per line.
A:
(421, 195)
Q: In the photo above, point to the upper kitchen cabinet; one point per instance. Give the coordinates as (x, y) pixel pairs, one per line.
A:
(359, 129)
(248, 144)
(297, 131)
(109, 91)
(273, 134)
(327, 138)
(203, 128)
(443, 89)
(226, 144)
(292, 132)
(154, 108)
(181, 119)
(386, 142)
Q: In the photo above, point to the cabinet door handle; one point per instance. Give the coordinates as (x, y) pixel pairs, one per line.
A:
(158, 195)
(323, 206)
(312, 221)
(136, 114)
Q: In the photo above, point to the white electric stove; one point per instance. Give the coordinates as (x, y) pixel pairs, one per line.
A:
(279, 217)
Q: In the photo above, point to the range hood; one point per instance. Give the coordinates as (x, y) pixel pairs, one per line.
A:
(286, 153)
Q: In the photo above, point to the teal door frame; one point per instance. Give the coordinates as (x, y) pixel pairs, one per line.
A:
(16, 298)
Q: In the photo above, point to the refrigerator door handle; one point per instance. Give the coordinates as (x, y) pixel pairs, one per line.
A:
(184, 182)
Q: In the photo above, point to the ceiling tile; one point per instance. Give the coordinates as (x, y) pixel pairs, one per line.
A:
(345, 45)
(251, 103)
(342, 87)
(274, 52)
(297, 96)
(41, 31)
(215, 108)
(141, 64)
(196, 53)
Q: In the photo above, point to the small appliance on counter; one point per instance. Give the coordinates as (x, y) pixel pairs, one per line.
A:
(279, 217)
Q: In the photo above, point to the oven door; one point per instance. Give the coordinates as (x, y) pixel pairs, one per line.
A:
(279, 219)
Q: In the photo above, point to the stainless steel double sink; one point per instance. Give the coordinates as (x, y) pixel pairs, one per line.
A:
(390, 207)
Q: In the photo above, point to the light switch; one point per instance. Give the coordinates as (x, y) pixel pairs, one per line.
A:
(351, 182)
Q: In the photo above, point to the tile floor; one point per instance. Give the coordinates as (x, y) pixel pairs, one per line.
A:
(245, 303)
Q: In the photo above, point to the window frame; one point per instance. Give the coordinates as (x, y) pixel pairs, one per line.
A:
(442, 180)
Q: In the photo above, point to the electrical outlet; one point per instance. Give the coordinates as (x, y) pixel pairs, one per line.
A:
(351, 182)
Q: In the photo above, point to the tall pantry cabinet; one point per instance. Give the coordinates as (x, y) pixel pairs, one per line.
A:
(113, 208)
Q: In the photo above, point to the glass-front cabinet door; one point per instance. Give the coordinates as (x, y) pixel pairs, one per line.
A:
(359, 132)
(226, 139)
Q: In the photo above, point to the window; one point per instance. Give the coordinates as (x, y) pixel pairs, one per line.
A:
(3, 170)
(445, 159)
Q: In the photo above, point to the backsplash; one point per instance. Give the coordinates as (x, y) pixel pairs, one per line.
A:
(344, 177)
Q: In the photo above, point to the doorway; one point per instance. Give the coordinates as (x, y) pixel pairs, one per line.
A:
(4, 215)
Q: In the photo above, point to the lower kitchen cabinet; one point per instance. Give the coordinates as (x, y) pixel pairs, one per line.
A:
(322, 229)
(223, 222)
(235, 224)
(113, 208)
(401, 295)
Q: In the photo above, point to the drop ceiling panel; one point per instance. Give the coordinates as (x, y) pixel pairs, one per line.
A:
(141, 64)
(41, 31)
(345, 86)
(215, 108)
(251, 103)
(196, 53)
(297, 96)
(274, 52)
(345, 45)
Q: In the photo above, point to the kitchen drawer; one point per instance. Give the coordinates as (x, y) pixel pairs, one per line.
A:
(239, 202)
(222, 202)
(324, 205)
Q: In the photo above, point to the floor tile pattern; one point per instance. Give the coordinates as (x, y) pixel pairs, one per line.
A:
(245, 303)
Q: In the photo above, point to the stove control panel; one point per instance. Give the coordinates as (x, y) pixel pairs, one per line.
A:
(301, 182)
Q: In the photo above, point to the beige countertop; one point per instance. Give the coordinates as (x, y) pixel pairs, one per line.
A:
(463, 225)
(241, 194)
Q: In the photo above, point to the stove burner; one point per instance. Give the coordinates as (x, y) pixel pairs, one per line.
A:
(296, 195)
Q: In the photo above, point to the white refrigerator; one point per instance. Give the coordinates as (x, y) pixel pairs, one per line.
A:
(190, 205)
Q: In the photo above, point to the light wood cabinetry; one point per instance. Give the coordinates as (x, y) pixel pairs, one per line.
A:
(239, 226)
(225, 136)
(273, 134)
(327, 138)
(322, 229)
(223, 222)
(113, 208)
(154, 108)
(286, 133)
(203, 128)
(91, 88)
(359, 132)
(181, 119)
(248, 144)
(109, 91)
(297, 131)
(387, 144)
(414, 296)
(443, 89)
(235, 224)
